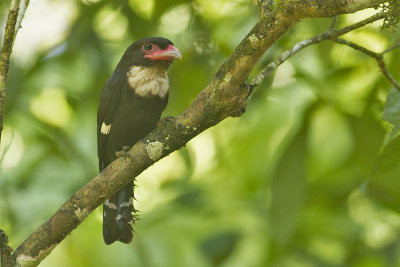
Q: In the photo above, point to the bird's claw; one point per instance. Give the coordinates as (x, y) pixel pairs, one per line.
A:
(249, 88)
(124, 153)
(169, 120)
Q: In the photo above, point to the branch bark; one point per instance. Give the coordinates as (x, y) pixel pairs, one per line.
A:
(317, 8)
(5, 251)
(225, 96)
(13, 24)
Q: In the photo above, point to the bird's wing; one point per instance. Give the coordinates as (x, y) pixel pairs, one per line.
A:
(109, 102)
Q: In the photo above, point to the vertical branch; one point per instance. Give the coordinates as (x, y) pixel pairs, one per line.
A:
(13, 24)
(5, 251)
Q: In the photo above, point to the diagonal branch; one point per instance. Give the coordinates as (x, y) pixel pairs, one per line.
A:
(390, 48)
(225, 96)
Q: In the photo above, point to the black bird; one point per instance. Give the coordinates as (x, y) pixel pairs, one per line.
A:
(131, 104)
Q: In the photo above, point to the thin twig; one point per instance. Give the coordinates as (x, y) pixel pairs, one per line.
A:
(377, 56)
(327, 35)
(358, 47)
(334, 20)
(390, 48)
(6, 147)
(22, 9)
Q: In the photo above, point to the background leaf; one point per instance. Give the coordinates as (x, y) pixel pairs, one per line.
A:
(391, 112)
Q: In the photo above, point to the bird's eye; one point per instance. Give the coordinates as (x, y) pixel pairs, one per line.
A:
(147, 47)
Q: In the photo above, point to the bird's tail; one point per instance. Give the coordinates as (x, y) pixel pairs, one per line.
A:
(117, 216)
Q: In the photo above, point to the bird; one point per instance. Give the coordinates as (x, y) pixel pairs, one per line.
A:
(130, 107)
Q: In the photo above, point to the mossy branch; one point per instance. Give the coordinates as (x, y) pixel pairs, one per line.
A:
(13, 24)
(329, 8)
(5, 251)
(225, 96)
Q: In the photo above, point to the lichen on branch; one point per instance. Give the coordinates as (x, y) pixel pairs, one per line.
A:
(392, 9)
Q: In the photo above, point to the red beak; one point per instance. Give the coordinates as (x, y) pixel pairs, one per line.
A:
(170, 53)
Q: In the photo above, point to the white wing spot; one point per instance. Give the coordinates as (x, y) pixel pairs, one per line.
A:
(125, 204)
(110, 205)
(105, 129)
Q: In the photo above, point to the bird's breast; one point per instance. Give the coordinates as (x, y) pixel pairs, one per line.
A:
(148, 81)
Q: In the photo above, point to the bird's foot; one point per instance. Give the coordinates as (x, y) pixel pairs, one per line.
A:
(249, 88)
(169, 120)
(124, 153)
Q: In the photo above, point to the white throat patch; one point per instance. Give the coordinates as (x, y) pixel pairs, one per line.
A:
(148, 81)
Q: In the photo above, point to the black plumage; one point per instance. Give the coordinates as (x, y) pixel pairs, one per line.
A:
(131, 104)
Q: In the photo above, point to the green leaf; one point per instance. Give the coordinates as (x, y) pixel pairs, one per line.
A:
(391, 112)
(288, 190)
(384, 185)
(219, 247)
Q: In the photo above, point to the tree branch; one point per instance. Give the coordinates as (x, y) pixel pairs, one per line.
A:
(22, 9)
(225, 96)
(5, 251)
(329, 34)
(328, 8)
(14, 19)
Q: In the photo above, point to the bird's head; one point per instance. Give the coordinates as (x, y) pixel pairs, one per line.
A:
(149, 52)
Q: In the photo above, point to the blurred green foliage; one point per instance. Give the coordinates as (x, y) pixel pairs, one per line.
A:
(308, 176)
